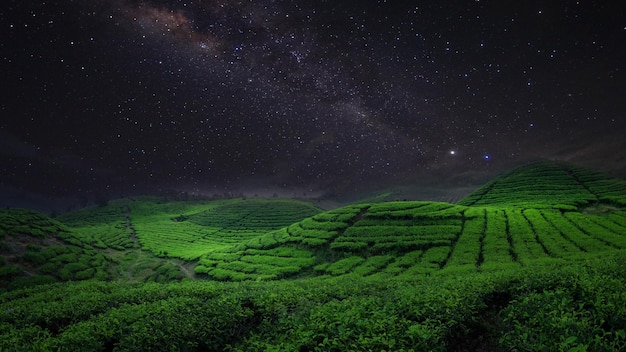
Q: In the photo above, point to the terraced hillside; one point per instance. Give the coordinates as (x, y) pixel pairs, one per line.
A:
(184, 230)
(132, 239)
(540, 212)
(531, 261)
(35, 249)
(550, 184)
(189, 231)
(413, 238)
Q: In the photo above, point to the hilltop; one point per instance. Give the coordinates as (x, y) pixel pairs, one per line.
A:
(547, 238)
(550, 184)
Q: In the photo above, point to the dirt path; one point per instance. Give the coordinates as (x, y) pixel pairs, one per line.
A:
(187, 269)
(129, 226)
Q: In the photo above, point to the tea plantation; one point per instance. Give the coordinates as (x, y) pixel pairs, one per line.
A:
(533, 260)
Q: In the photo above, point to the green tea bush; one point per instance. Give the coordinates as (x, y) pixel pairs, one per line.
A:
(538, 307)
(344, 266)
(373, 264)
(496, 245)
(9, 271)
(593, 229)
(85, 274)
(467, 249)
(434, 257)
(580, 315)
(35, 258)
(574, 234)
(523, 237)
(554, 241)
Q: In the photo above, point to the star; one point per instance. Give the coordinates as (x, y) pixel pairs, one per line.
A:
(336, 96)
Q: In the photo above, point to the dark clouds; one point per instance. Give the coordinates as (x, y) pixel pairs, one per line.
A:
(127, 96)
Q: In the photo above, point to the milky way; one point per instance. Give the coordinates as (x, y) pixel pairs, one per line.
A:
(129, 96)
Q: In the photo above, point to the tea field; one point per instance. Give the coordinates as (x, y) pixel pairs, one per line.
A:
(533, 260)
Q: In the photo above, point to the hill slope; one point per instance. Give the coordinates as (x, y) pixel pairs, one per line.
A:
(543, 211)
(533, 260)
(35, 249)
(183, 230)
(132, 239)
(544, 184)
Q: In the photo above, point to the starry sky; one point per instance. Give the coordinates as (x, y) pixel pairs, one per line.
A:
(119, 97)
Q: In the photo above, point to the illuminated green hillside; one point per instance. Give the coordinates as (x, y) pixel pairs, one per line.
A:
(184, 230)
(550, 184)
(531, 261)
(132, 239)
(543, 211)
(35, 249)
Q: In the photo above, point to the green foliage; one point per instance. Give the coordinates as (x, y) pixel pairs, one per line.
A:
(373, 264)
(552, 239)
(531, 261)
(102, 226)
(16, 222)
(166, 273)
(537, 185)
(467, 249)
(35, 259)
(582, 313)
(469, 238)
(210, 225)
(541, 307)
(9, 271)
(497, 242)
(343, 266)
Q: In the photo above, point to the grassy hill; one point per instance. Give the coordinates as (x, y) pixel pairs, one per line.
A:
(35, 249)
(530, 261)
(540, 212)
(550, 184)
(140, 239)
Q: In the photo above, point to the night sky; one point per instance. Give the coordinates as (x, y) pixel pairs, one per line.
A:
(119, 97)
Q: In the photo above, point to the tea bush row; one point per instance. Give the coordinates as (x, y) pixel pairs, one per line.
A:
(594, 229)
(579, 305)
(526, 243)
(14, 222)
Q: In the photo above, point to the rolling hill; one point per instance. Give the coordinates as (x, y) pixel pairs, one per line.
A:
(550, 184)
(143, 239)
(531, 260)
(543, 211)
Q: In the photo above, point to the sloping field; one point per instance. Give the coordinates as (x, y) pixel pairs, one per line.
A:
(577, 307)
(187, 232)
(35, 249)
(550, 184)
(410, 238)
(128, 236)
(531, 261)
(184, 230)
(540, 212)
